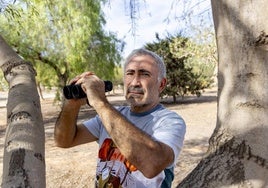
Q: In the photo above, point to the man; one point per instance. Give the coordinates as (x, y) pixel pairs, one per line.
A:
(139, 144)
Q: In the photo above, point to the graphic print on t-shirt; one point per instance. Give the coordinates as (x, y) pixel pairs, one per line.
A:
(113, 169)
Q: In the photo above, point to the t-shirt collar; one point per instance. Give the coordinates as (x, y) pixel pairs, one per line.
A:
(147, 112)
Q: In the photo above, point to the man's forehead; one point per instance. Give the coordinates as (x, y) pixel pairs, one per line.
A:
(143, 59)
(141, 64)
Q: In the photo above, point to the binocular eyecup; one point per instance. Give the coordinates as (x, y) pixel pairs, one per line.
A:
(74, 91)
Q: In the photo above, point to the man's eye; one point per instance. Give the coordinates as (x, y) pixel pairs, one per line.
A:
(145, 74)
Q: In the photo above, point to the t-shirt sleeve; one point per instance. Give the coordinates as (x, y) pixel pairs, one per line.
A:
(171, 131)
(94, 126)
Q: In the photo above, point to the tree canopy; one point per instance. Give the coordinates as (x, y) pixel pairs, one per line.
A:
(189, 70)
(62, 39)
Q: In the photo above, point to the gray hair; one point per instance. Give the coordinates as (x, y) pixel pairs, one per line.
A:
(158, 60)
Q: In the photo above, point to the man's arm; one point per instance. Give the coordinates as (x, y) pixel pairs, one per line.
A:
(148, 155)
(67, 133)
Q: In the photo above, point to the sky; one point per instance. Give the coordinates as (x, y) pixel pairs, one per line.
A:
(152, 16)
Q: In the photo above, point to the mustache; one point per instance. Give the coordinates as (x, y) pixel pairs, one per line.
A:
(135, 89)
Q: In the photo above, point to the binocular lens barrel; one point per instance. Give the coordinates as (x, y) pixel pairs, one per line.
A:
(76, 92)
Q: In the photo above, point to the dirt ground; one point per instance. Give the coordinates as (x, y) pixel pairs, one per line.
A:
(75, 167)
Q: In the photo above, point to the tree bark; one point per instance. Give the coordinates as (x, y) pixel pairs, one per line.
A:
(24, 159)
(238, 152)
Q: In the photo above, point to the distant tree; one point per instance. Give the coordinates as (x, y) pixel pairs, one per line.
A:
(118, 80)
(62, 39)
(203, 58)
(3, 83)
(178, 53)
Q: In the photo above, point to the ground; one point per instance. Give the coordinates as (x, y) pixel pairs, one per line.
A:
(75, 167)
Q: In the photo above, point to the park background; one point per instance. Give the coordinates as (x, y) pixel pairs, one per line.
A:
(59, 45)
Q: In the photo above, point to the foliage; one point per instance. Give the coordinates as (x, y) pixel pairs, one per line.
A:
(62, 38)
(3, 83)
(188, 72)
(118, 80)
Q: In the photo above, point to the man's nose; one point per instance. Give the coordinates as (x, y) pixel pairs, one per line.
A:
(136, 80)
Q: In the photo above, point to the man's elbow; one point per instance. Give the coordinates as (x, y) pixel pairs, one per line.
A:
(153, 172)
(62, 143)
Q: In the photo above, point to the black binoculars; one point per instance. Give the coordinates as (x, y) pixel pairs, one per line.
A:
(74, 91)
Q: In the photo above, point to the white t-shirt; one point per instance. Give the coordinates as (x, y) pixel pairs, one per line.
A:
(113, 168)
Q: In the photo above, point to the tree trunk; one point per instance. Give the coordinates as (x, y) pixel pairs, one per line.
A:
(39, 89)
(238, 152)
(24, 159)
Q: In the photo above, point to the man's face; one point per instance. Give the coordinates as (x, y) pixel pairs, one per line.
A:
(142, 87)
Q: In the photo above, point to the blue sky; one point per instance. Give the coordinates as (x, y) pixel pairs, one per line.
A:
(152, 16)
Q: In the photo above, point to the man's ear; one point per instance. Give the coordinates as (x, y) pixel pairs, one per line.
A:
(163, 84)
